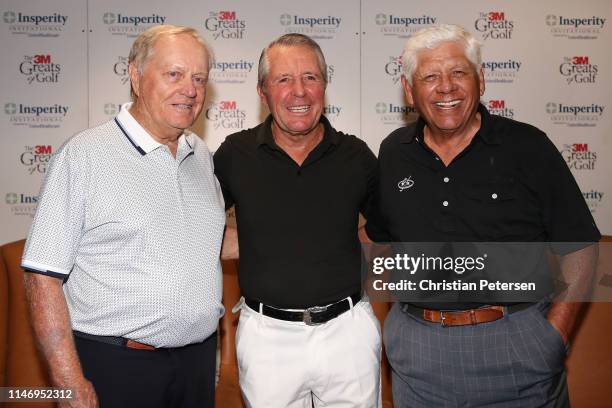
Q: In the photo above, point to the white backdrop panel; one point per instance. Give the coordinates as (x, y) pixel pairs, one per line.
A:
(65, 68)
(43, 101)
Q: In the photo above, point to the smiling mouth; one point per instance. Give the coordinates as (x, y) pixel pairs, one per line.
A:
(448, 105)
(184, 106)
(298, 109)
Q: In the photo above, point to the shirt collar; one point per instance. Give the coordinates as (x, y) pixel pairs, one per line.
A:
(485, 132)
(138, 136)
(264, 134)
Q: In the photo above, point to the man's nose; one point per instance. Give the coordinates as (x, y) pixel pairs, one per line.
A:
(298, 87)
(189, 88)
(446, 84)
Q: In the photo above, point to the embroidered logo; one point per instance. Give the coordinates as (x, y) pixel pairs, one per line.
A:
(405, 183)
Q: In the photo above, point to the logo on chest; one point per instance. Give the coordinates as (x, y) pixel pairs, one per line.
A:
(405, 184)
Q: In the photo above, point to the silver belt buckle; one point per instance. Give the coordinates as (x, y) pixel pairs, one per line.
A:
(307, 315)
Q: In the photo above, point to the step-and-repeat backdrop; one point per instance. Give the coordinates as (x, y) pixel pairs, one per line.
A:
(64, 68)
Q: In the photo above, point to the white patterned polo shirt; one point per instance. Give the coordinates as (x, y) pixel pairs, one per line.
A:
(135, 231)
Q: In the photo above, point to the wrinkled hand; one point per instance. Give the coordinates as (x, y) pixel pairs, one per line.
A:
(84, 396)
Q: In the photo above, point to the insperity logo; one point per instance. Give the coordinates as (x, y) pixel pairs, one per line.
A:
(40, 68)
(319, 27)
(494, 25)
(593, 199)
(574, 115)
(21, 204)
(332, 112)
(394, 114)
(226, 115)
(402, 26)
(225, 25)
(579, 156)
(35, 116)
(34, 25)
(578, 70)
(130, 25)
(111, 109)
(36, 158)
(574, 27)
(501, 71)
(231, 71)
(500, 107)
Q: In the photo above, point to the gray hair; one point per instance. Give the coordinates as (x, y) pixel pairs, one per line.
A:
(432, 37)
(143, 46)
(290, 40)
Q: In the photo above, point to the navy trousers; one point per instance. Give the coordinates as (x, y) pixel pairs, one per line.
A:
(181, 377)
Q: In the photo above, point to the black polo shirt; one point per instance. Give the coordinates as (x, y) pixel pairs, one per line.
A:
(510, 184)
(297, 225)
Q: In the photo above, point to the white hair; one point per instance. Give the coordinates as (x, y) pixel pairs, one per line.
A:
(434, 36)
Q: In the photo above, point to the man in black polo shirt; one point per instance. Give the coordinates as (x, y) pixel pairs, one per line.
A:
(305, 336)
(460, 174)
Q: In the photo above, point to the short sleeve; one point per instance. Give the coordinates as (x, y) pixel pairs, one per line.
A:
(56, 231)
(565, 213)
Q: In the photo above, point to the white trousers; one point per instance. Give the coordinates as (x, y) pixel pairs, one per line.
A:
(291, 365)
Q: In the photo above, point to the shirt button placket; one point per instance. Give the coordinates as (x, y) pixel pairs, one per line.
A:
(445, 180)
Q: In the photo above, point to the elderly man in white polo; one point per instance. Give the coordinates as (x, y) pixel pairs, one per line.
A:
(125, 278)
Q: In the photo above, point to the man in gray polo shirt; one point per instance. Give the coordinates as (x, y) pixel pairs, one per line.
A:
(125, 279)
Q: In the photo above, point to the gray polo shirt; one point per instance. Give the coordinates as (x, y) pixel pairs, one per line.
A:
(137, 233)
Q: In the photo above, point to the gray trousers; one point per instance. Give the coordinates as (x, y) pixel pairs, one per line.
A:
(516, 361)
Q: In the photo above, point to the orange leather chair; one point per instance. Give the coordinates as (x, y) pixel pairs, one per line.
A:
(227, 394)
(589, 365)
(23, 366)
(3, 320)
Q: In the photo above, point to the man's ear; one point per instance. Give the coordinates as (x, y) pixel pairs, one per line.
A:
(134, 78)
(407, 91)
(481, 81)
(262, 95)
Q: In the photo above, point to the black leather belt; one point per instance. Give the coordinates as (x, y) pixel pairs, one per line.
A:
(312, 316)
